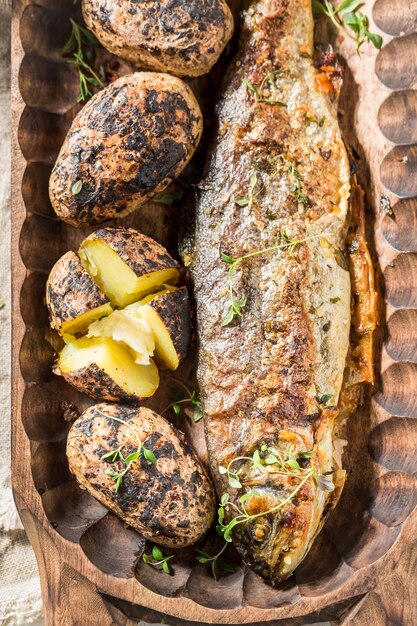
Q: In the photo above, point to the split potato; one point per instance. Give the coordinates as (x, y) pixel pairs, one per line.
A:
(164, 492)
(117, 315)
(126, 265)
(73, 299)
(129, 142)
(184, 38)
(106, 370)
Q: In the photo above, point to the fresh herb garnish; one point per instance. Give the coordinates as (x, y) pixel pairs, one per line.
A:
(350, 20)
(76, 188)
(334, 300)
(324, 399)
(269, 82)
(296, 188)
(243, 516)
(192, 398)
(263, 459)
(157, 558)
(169, 198)
(314, 120)
(247, 201)
(216, 560)
(81, 46)
(237, 304)
(116, 455)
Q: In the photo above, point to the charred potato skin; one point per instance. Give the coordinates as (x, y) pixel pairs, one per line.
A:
(70, 291)
(185, 37)
(129, 142)
(141, 253)
(174, 310)
(171, 503)
(95, 383)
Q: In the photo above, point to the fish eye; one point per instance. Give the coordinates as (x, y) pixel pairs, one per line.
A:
(260, 530)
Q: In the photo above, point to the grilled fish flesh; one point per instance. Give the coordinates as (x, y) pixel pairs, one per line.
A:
(276, 360)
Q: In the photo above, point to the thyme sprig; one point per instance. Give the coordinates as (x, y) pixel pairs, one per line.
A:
(268, 81)
(216, 560)
(347, 18)
(116, 455)
(192, 398)
(237, 304)
(80, 45)
(243, 516)
(157, 559)
(263, 459)
(268, 459)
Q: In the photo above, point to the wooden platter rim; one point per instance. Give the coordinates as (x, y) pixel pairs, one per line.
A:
(28, 499)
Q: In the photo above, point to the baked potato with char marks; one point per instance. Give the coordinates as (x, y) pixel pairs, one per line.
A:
(129, 142)
(73, 299)
(170, 502)
(106, 370)
(126, 264)
(182, 37)
(114, 294)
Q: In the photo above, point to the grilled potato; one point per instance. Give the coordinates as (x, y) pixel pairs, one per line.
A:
(184, 38)
(106, 370)
(170, 502)
(168, 315)
(73, 299)
(129, 142)
(116, 293)
(127, 265)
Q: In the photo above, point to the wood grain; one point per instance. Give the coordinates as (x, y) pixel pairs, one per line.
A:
(73, 536)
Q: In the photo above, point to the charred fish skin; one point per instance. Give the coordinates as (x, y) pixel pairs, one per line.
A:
(271, 379)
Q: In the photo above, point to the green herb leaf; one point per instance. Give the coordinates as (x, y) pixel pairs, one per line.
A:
(149, 455)
(293, 464)
(305, 454)
(169, 198)
(249, 86)
(234, 482)
(76, 188)
(271, 459)
(132, 457)
(324, 399)
(224, 499)
(334, 300)
(157, 553)
(248, 496)
(227, 566)
(176, 409)
(375, 39)
(2, 304)
(349, 5)
(226, 258)
(118, 483)
(198, 414)
(222, 470)
(145, 558)
(112, 454)
(242, 202)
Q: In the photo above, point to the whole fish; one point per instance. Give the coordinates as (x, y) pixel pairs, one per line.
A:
(277, 356)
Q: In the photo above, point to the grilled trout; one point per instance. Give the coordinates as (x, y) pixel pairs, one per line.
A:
(270, 263)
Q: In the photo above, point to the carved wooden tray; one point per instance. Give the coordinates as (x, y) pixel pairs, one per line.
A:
(87, 557)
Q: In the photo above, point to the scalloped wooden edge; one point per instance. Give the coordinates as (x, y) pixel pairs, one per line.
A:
(72, 587)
